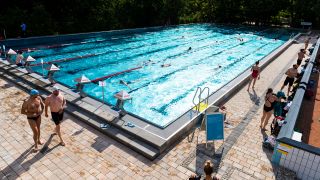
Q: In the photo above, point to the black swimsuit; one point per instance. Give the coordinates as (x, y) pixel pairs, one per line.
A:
(266, 108)
(34, 118)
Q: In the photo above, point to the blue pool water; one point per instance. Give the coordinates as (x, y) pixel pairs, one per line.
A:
(160, 95)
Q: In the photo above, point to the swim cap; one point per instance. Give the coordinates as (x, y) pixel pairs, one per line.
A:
(34, 92)
(55, 88)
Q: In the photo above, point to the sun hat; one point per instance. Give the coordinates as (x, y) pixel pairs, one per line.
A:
(34, 92)
(55, 88)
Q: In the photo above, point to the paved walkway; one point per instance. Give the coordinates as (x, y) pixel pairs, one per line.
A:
(89, 154)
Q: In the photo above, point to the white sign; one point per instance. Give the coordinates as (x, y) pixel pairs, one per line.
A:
(102, 83)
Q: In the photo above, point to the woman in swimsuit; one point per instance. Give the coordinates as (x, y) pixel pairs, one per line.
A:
(254, 75)
(33, 108)
(270, 98)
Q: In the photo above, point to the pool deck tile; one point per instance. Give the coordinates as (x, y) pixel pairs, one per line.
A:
(92, 102)
(89, 154)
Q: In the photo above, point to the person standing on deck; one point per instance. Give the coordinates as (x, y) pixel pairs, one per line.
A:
(291, 74)
(23, 30)
(306, 43)
(268, 107)
(56, 102)
(33, 107)
(301, 55)
(254, 75)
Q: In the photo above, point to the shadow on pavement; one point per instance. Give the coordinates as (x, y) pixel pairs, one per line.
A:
(18, 166)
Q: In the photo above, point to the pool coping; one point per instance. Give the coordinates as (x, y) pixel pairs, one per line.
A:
(144, 138)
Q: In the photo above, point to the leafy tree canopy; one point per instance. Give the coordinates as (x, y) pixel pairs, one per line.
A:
(45, 17)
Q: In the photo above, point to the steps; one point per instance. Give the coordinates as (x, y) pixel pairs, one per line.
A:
(27, 82)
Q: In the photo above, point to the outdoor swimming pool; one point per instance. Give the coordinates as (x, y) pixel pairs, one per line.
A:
(161, 94)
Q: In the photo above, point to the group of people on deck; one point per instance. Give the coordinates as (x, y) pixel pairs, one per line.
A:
(271, 98)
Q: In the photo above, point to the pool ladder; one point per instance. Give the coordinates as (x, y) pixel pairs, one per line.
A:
(197, 105)
(200, 92)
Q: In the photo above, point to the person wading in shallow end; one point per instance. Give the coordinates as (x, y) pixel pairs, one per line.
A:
(56, 102)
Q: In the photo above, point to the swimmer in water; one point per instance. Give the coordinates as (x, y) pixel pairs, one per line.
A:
(147, 63)
(125, 83)
(189, 48)
(165, 65)
(217, 67)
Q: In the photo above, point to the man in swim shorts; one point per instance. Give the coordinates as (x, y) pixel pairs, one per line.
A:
(291, 74)
(306, 43)
(301, 55)
(56, 102)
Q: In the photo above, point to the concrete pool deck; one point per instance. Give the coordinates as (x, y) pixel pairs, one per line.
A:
(90, 153)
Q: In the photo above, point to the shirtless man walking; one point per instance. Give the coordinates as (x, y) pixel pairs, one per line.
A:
(56, 102)
(301, 55)
(306, 43)
(291, 74)
(33, 107)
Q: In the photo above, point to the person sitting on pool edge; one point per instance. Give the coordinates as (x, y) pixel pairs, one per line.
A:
(19, 59)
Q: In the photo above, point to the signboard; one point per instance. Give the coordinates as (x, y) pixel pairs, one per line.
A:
(284, 148)
(215, 126)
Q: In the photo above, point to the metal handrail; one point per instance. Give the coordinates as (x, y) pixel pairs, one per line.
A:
(197, 105)
(207, 98)
(292, 35)
(291, 119)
